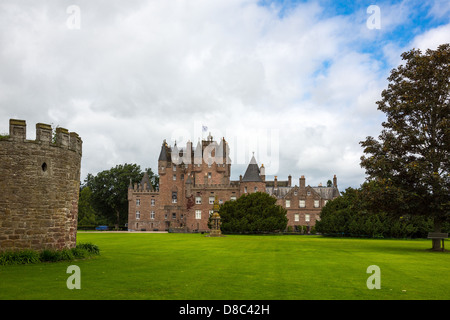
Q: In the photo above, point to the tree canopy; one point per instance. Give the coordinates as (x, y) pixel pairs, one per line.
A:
(252, 213)
(109, 189)
(410, 159)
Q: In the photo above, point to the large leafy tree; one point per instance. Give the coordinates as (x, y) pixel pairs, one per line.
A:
(86, 212)
(252, 213)
(410, 160)
(110, 191)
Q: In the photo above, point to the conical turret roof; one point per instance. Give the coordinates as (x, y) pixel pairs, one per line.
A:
(252, 172)
(163, 156)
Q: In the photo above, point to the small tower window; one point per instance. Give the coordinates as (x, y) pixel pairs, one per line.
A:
(174, 197)
(44, 167)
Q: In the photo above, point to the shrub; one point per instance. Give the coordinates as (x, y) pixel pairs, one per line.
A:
(19, 257)
(89, 247)
(82, 251)
(253, 213)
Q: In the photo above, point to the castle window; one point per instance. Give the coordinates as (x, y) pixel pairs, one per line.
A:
(308, 193)
(295, 192)
(198, 200)
(152, 202)
(233, 198)
(174, 177)
(152, 215)
(301, 203)
(211, 200)
(138, 215)
(174, 215)
(296, 217)
(44, 167)
(198, 214)
(325, 202)
(256, 189)
(307, 217)
(138, 202)
(165, 216)
(316, 203)
(209, 175)
(288, 203)
(245, 189)
(174, 197)
(174, 168)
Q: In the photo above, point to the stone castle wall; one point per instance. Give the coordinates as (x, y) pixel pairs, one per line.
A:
(39, 188)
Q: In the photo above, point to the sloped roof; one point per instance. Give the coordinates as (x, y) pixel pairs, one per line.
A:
(252, 172)
(279, 192)
(163, 155)
(146, 179)
(327, 193)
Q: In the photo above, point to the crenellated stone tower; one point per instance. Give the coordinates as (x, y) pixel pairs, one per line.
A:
(39, 188)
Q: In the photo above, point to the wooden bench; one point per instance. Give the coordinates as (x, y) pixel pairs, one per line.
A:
(438, 235)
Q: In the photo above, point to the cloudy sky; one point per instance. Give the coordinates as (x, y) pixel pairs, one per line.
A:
(293, 81)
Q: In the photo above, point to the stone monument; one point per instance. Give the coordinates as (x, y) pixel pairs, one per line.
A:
(215, 220)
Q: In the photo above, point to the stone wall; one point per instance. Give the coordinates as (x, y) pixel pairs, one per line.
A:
(39, 188)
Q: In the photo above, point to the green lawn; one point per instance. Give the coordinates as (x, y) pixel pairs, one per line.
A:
(194, 267)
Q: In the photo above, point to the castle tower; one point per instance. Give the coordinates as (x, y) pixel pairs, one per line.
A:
(39, 188)
(252, 180)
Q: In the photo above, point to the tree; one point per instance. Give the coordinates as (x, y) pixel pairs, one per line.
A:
(357, 213)
(410, 162)
(252, 213)
(110, 191)
(86, 213)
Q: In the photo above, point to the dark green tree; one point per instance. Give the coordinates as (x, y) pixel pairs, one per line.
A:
(110, 191)
(253, 213)
(410, 160)
(86, 212)
(357, 213)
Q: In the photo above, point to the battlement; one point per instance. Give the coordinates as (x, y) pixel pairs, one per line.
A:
(215, 186)
(39, 188)
(44, 135)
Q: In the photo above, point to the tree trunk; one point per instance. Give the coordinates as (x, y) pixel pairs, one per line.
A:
(117, 225)
(436, 243)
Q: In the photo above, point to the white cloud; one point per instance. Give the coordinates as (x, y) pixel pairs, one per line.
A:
(431, 39)
(144, 71)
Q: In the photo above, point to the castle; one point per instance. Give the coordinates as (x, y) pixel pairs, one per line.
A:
(39, 188)
(191, 179)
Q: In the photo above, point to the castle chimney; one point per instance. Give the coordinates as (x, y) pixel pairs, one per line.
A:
(262, 172)
(335, 181)
(289, 180)
(302, 182)
(275, 183)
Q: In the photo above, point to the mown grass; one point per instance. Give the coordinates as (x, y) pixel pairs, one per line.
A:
(195, 267)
